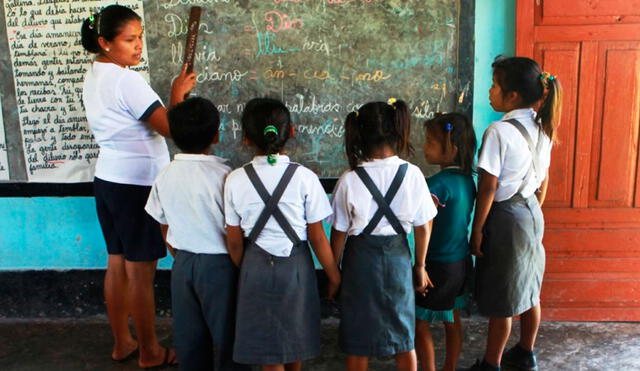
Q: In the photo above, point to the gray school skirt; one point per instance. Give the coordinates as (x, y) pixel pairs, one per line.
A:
(278, 312)
(509, 275)
(377, 302)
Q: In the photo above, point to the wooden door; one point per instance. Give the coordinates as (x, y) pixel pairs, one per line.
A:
(592, 211)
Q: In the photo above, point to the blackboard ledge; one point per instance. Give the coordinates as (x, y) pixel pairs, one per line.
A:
(82, 189)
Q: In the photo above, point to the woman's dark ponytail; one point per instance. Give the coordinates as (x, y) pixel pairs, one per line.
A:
(89, 34)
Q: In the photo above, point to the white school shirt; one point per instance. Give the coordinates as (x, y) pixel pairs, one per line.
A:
(505, 154)
(117, 101)
(353, 205)
(187, 195)
(303, 202)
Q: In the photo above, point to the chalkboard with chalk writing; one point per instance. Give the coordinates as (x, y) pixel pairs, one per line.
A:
(323, 58)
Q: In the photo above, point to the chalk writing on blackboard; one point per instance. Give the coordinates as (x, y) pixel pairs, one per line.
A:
(322, 58)
(4, 164)
(49, 64)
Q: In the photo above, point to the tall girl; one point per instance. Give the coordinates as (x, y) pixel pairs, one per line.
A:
(128, 121)
(375, 204)
(451, 144)
(276, 205)
(508, 224)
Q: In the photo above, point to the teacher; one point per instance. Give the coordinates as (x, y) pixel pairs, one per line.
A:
(128, 121)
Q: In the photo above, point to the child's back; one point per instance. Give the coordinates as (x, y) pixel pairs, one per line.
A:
(455, 193)
(273, 206)
(375, 206)
(187, 197)
(303, 201)
(451, 144)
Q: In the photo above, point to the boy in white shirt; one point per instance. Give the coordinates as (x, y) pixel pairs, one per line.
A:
(186, 199)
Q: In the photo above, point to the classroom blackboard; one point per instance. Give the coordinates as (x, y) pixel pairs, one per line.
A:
(323, 58)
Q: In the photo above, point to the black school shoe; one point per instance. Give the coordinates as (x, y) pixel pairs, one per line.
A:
(481, 366)
(518, 359)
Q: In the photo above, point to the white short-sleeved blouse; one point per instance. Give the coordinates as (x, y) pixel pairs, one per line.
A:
(303, 202)
(117, 101)
(353, 205)
(505, 154)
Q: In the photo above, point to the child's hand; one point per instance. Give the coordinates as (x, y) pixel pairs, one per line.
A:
(333, 286)
(421, 279)
(476, 242)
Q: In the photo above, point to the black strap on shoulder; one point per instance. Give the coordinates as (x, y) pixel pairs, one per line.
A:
(271, 203)
(534, 168)
(383, 202)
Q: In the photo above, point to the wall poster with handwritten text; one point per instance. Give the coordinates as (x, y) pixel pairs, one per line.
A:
(4, 165)
(49, 64)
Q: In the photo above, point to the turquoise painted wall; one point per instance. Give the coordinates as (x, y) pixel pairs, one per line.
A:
(51, 233)
(63, 233)
(494, 35)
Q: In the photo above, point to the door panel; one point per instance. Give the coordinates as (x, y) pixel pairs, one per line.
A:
(615, 138)
(589, 12)
(564, 60)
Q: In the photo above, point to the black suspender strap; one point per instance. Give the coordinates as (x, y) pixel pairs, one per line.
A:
(534, 168)
(271, 203)
(383, 202)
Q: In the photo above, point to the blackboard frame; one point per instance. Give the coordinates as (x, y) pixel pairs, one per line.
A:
(29, 189)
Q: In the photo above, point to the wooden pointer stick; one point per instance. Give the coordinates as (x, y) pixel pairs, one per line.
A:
(192, 38)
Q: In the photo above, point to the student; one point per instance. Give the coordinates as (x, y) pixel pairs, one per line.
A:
(186, 199)
(128, 121)
(508, 225)
(451, 144)
(276, 206)
(377, 301)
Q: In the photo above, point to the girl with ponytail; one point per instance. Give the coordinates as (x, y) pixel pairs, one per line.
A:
(375, 206)
(128, 121)
(508, 225)
(451, 144)
(273, 209)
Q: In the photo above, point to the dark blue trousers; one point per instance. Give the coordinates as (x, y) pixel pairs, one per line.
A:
(203, 297)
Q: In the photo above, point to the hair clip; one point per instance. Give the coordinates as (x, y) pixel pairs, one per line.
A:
(357, 113)
(545, 77)
(391, 101)
(92, 19)
(270, 129)
(272, 159)
(448, 127)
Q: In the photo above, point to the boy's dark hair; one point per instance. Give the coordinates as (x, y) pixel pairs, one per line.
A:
(524, 76)
(107, 23)
(455, 129)
(193, 124)
(260, 113)
(376, 124)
